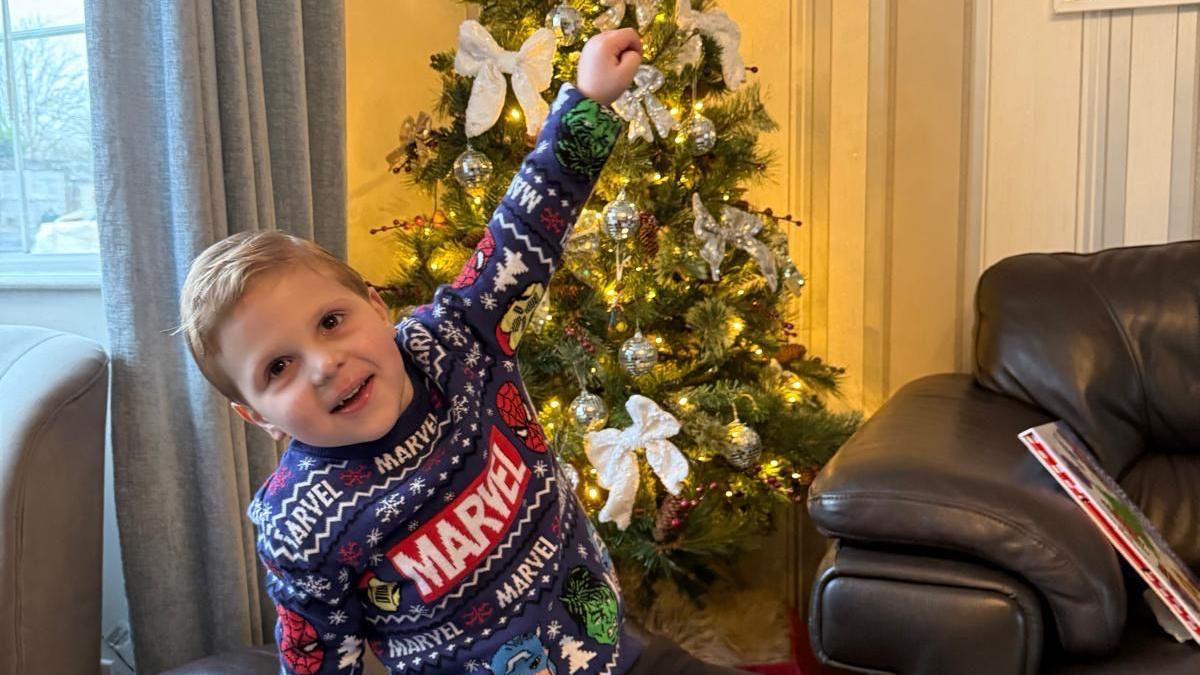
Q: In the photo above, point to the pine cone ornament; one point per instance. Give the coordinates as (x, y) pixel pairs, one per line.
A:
(790, 352)
(668, 519)
(648, 234)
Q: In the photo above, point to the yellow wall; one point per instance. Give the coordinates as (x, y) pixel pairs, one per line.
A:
(388, 45)
(882, 86)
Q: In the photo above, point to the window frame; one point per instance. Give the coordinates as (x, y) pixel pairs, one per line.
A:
(37, 270)
(1071, 6)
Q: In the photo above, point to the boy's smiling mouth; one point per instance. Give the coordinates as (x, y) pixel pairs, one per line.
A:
(356, 398)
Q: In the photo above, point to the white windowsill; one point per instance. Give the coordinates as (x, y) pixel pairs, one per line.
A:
(48, 272)
(50, 282)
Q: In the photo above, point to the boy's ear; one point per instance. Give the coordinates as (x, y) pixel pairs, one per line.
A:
(377, 302)
(252, 416)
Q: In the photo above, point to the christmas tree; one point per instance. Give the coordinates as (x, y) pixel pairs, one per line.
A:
(665, 318)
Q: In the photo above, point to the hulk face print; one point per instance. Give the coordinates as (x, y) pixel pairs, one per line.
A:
(592, 604)
(587, 136)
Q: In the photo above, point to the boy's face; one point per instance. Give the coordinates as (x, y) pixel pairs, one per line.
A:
(313, 359)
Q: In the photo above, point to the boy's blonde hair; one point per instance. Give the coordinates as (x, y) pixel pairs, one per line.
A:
(220, 276)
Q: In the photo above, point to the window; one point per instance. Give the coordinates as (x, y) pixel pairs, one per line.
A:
(47, 194)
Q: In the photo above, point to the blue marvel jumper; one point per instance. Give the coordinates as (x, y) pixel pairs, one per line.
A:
(454, 544)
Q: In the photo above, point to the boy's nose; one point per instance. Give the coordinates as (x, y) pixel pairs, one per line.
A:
(327, 365)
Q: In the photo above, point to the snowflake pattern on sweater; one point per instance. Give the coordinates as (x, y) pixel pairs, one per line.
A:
(454, 543)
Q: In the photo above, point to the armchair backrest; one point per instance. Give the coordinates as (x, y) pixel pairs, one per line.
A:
(1109, 342)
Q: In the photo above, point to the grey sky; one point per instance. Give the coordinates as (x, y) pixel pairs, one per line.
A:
(47, 12)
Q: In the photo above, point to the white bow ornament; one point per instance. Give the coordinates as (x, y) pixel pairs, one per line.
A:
(642, 109)
(611, 451)
(736, 227)
(717, 25)
(612, 17)
(532, 68)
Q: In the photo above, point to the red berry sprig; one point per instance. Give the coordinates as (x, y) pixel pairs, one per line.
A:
(574, 331)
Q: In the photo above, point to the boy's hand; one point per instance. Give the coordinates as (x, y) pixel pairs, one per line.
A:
(608, 64)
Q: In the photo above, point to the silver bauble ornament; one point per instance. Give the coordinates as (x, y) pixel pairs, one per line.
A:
(472, 169)
(701, 134)
(638, 355)
(566, 22)
(589, 411)
(793, 281)
(745, 447)
(569, 473)
(621, 218)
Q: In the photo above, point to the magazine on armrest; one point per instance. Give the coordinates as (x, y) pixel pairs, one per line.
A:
(1064, 455)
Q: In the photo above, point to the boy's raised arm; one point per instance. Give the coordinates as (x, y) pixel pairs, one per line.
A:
(508, 273)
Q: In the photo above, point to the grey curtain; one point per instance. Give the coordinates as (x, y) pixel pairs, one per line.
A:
(209, 117)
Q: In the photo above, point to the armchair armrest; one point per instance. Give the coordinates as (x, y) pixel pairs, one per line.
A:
(940, 466)
(891, 611)
(53, 399)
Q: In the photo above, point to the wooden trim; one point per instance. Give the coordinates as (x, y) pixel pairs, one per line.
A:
(847, 224)
(800, 160)
(799, 121)
(975, 161)
(881, 133)
(820, 202)
(1151, 126)
(1117, 143)
(1069, 6)
(1183, 144)
(1093, 133)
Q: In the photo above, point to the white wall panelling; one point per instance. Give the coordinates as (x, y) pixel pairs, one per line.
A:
(945, 136)
(1183, 222)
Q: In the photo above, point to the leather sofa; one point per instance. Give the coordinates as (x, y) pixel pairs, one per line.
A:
(53, 400)
(954, 551)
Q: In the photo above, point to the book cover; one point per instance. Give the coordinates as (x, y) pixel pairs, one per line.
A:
(1065, 456)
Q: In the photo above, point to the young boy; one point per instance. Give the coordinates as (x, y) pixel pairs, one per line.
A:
(417, 507)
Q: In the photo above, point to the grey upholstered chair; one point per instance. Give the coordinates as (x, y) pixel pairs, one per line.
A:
(53, 398)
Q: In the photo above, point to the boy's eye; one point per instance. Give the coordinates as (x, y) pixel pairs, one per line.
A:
(331, 321)
(276, 368)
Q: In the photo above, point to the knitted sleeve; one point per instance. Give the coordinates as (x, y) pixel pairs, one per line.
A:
(507, 275)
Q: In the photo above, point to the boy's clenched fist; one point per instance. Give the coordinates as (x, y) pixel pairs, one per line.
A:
(608, 64)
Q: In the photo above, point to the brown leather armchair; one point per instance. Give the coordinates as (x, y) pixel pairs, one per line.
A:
(954, 551)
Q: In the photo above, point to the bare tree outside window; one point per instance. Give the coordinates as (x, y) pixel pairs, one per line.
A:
(47, 203)
(53, 113)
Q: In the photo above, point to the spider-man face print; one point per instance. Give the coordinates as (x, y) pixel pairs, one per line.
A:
(477, 261)
(519, 418)
(298, 643)
(516, 319)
